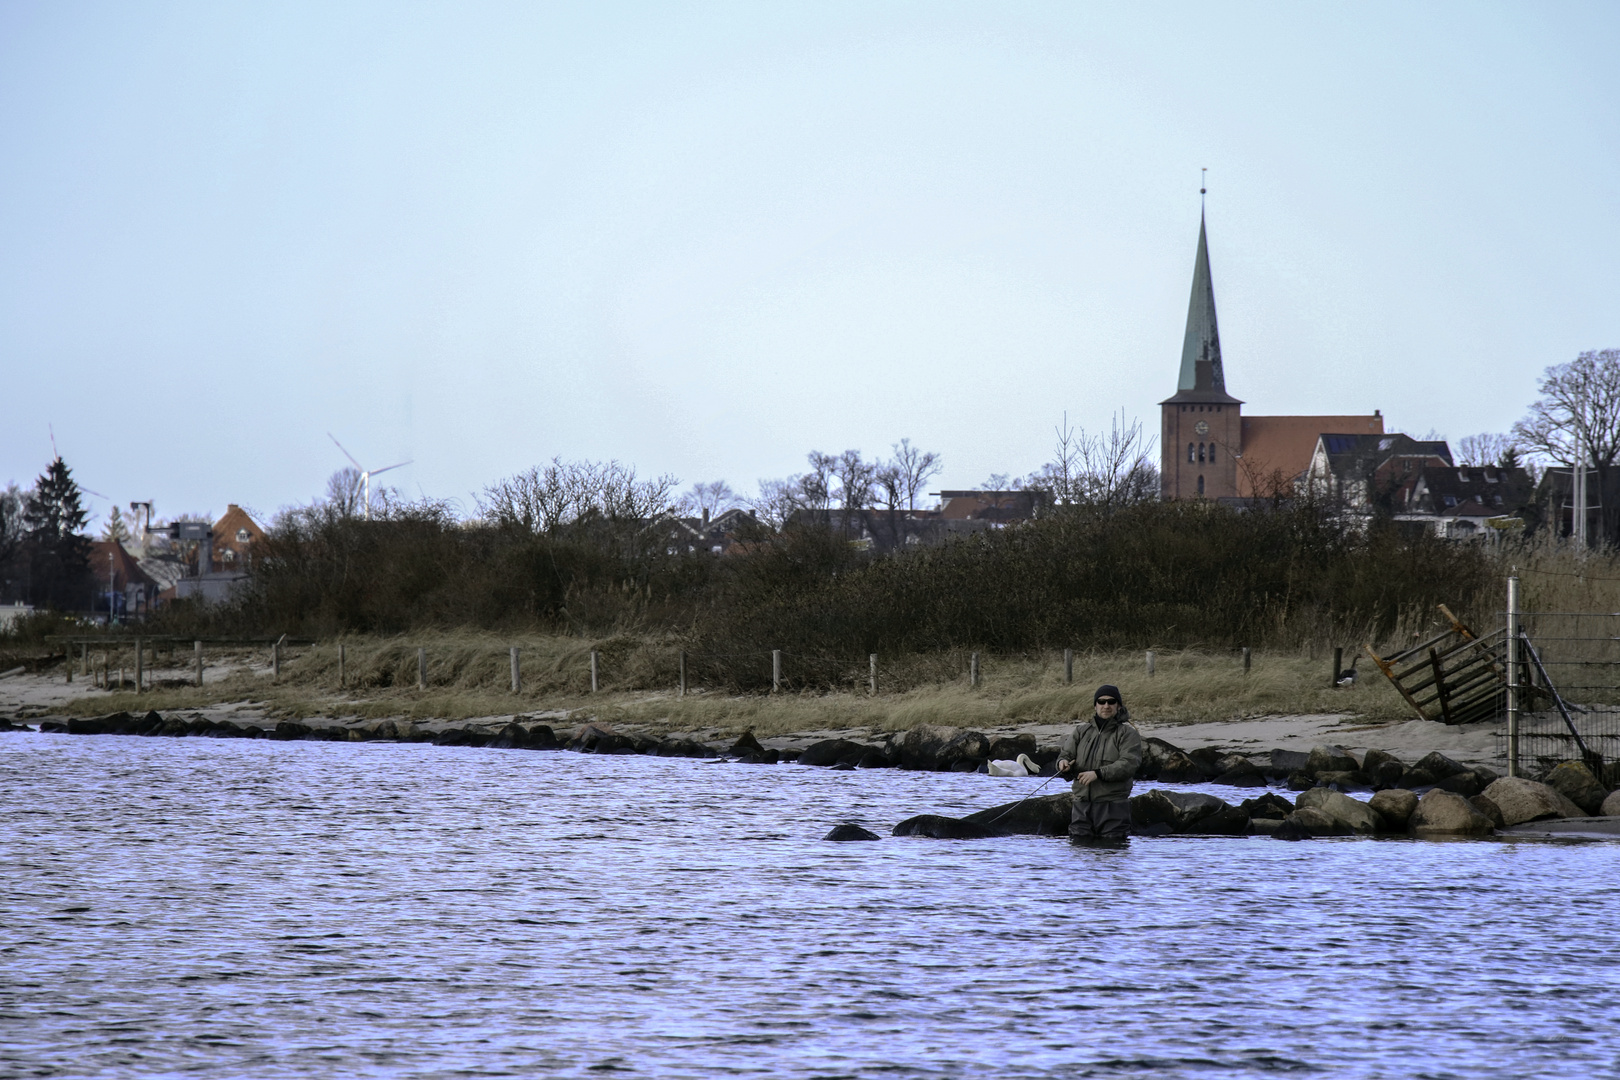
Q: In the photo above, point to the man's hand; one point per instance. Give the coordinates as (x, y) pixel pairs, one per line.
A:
(1088, 777)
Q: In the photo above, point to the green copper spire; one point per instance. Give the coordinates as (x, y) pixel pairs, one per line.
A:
(1201, 349)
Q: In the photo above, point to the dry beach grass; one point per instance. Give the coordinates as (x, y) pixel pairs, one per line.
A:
(468, 676)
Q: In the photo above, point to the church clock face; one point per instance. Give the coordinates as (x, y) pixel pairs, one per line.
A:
(1202, 427)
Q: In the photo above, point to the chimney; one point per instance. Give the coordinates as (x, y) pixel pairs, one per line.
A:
(705, 517)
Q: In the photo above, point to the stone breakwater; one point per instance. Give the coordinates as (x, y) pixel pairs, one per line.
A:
(1433, 797)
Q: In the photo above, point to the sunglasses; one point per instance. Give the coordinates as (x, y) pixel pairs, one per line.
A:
(1107, 701)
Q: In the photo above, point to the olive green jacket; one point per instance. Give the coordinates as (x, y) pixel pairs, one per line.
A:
(1114, 755)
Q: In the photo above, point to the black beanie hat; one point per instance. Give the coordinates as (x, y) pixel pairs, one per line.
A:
(1105, 690)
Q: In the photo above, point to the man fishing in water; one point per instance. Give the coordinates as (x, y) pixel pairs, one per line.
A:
(1102, 756)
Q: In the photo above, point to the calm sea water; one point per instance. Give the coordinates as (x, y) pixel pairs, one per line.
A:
(238, 908)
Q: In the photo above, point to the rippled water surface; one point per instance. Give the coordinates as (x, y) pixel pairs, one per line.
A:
(243, 908)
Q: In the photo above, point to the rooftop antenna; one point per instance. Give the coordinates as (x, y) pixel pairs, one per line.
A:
(365, 473)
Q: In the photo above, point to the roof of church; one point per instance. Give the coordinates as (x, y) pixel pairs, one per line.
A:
(1202, 378)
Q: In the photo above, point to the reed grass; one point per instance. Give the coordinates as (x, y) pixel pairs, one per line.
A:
(468, 677)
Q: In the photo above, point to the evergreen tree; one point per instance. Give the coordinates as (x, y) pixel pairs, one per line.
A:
(57, 553)
(115, 529)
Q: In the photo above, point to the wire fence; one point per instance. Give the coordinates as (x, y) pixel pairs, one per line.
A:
(1569, 659)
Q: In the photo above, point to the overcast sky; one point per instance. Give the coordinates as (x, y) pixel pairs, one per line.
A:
(705, 239)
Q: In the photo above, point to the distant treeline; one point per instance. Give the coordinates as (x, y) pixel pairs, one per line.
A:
(1166, 574)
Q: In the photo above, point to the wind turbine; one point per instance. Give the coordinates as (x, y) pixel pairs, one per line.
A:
(365, 473)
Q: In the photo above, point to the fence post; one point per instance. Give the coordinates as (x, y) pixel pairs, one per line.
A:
(1068, 666)
(776, 671)
(196, 652)
(973, 670)
(140, 664)
(69, 664)
(593, 671)
(682, 691)
(343, 663)
(517, 675)
(1338, 664)
(871, 662)
(84, 658)
(1247, 657)
(1150, 662)
(1513, 672)
(421, 668)
(275, 660)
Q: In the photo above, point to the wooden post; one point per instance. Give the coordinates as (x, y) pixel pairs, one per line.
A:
(973, 670)
(776, 671)
(871, 678)
(682, 691)
(1150, 662)
(1513, 673)
(421, 668)
(343, 657)
(1338, 665)
(120, 678)
(1068, 666)
(594, 684)
(69, 664)
(84, 658)
(1246, 659)
(196, 652)
(517, 674)
(140, 664)
(275, 660)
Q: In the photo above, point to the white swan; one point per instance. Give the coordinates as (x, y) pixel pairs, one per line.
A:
(1022, 767)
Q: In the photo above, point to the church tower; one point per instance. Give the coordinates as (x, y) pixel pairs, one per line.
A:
(1201, 434)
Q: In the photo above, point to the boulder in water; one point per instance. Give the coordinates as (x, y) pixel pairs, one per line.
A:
(745, 745)
(850, 831)
(1395, 806)
(1008, 747)
(1490, 810)
(1330, 759)
(1344, 781)
(968, 747)
(1160, 812)
(1044, 815)
(1268, 805)
(1243, 774)
(1286, 762)
(1356, 817)
(1441, 814)
(919, 750)
(1307, 822)
(945, 828)
(830, 752)
(1466, 783)
(1574, 781)
(1522, 800)
(1439, 766)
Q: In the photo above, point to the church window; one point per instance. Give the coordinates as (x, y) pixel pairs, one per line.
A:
(1212, 451)
(1200, 485)
(1190, 458)
(1200, 451)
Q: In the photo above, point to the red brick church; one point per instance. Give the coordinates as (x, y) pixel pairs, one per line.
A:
(1209, 449)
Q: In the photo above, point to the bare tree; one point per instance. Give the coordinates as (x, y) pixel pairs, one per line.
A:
(343, 492)
(1105, 472)
(776, 501)
(1485, 448)
(916, 467)
(564, 492)
(708, 499)
(1576, 423)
